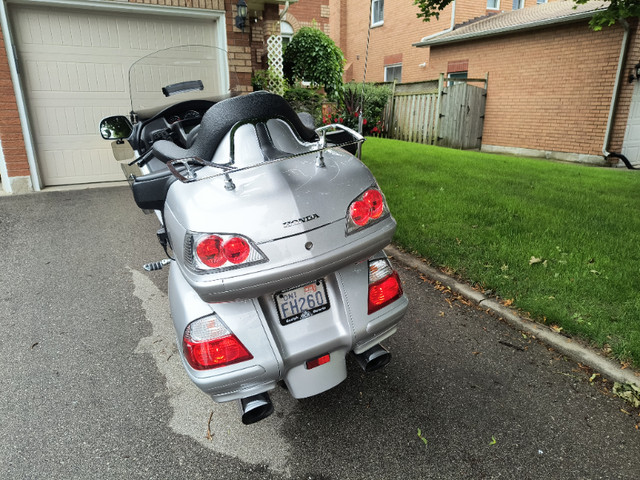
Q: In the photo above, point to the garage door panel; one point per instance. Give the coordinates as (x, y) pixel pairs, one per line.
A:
(74, 68)
(87, 165)
(75, 76)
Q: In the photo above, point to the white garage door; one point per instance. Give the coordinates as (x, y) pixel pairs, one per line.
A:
(74, 70)
(631, 145)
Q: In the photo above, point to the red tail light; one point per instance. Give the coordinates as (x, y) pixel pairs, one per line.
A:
(359, 212)
(375, 202)
(236, 250)
(384, 285)
(204, 252)
(210, 251)
(207, 343)
(366, 209)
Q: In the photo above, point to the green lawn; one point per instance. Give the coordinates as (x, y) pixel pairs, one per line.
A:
(561, 240)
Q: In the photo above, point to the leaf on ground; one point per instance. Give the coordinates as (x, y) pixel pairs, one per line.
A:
(493, 440)
(556, 328)
(508, 303)
(628, 392)
(534, 260)
(593, 377)
(424, 440)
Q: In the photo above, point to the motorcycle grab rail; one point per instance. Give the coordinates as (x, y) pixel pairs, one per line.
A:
(228, 167)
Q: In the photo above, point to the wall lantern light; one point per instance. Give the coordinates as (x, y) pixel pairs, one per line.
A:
(635, 73)
(242, 14)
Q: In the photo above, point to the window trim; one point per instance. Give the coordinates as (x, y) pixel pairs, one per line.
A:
(393, 65)
(452, 76)
(379, 22)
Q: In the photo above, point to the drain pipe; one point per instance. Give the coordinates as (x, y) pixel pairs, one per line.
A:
(453, 24)
(614, 99)
(284, 12)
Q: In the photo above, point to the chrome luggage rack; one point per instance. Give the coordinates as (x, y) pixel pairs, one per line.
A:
(183, 168)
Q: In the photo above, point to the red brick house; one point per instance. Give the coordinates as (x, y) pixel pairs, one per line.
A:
(556, 88)
(64, 64)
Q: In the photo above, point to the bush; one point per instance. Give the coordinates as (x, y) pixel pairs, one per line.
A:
(375, 99)
(305, 100)
(313, 57)
(266, 80)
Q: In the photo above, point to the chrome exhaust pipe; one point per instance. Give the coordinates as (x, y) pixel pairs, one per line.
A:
(374, 358)
(256, 408)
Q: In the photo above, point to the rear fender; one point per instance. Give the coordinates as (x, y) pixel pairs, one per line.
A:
(245, 321)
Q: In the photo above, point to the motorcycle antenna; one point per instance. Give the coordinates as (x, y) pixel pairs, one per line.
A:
(364, 78)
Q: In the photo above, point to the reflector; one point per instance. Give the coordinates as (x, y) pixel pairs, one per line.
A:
(316, 362)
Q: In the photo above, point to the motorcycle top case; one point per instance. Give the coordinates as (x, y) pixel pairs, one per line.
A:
(293, 212)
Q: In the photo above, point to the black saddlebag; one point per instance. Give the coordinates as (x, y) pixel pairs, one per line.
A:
(150, 191)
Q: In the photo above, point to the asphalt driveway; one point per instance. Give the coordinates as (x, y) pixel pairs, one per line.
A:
(92, 386)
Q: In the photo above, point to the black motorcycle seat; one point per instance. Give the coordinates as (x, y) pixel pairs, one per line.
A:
(222, 116)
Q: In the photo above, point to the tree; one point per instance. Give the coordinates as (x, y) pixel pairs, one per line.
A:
(313, 57)
(617, 10)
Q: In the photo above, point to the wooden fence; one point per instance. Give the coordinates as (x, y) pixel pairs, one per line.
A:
(437, 113)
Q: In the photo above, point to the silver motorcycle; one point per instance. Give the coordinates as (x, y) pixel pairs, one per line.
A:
(273, 228)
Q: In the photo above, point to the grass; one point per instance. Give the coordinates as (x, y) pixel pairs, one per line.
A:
(560, 240)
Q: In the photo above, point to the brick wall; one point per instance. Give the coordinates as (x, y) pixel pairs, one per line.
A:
(401, 29)
(549, 89)
(307, 13)
(13, 147)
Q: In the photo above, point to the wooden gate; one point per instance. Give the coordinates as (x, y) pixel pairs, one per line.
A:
(448, 116)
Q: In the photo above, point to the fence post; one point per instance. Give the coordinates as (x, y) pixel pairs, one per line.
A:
(436, 126)
(392, 111)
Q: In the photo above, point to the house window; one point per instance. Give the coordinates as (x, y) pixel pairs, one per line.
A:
(518, 4)
(454, 75)
(393, 73)
(541, 1)
(377, 12)
(493, 4)
(286, 32)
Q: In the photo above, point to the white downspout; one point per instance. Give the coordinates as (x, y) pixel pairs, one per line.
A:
(453, 24)
(616, 87)
(284, 12)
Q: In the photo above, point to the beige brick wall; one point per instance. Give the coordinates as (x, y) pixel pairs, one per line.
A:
(549, 89)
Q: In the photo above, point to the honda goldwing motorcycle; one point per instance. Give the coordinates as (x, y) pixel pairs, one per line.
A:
(274, 232)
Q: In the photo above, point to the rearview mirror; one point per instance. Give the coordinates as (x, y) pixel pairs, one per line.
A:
(117, 127)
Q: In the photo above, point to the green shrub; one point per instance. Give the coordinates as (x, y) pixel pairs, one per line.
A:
(374, 97)
(305, 100)
(313, 57)
(267, 80)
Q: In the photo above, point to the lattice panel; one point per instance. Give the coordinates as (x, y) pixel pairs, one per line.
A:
(274, 56)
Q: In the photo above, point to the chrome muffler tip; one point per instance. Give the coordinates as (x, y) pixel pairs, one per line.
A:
(374, 358)
(256, 408)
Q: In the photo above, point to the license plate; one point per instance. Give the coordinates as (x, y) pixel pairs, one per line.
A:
(302, 302)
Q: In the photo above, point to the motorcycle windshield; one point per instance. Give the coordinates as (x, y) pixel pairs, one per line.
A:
(176, 74)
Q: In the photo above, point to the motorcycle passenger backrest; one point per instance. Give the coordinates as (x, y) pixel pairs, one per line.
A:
(222, 116)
